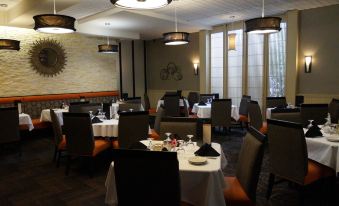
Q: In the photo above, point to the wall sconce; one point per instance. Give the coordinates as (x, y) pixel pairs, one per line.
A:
(308, 64)
(196, 68)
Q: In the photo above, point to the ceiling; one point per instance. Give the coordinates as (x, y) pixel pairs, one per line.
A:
(193, 15)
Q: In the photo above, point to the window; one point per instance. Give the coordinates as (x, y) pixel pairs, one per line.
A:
(217, 62)
(277, 63)
(234, 77)
(255, 66)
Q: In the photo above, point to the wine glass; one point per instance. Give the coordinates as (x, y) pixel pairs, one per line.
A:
(131, 110)
(168, 134)
(190, 136)
(310, 124)
(149, 143)
(90, 114)
(181, 149)
(99, 111)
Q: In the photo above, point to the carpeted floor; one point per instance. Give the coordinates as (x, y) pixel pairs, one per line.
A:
(33, 179)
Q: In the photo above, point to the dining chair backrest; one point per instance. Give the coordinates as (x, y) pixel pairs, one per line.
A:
(125, 107)
(56, 127)
(179, 126)
(77, 103)
(9, 121)
(171, 104)
(147, 103)
(286, 114)
(288, 150)
(186, 112)
(133, 100)
(146, 178)
(249, 162)
(299, 99)
(316, 112)
(206, 97)
(193, 97)
(124, 96)
(333, 109)
(221, 112)
(255, 115)
(106, 107)
(171, 94)
(272, 102)
(84, 108)
(215, 95)
(133, 127)
(160, 114)
(79, 133)
(179, 93)
(243, 108)
(246, 96)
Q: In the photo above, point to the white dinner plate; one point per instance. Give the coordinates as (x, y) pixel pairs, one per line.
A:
(197, 160)
(333, 139)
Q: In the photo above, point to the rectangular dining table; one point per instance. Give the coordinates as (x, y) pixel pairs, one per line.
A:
(201, 185)
(25, 119)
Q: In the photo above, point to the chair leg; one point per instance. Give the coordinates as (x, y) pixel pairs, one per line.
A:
(270, 186)
(68, 164)
(58, 158)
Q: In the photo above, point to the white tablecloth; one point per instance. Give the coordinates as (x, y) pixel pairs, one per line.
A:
(205, 111)
(46, 115)
(181, 103)
(107, 128)
(25, 119)
(323, 151)
(200, 185)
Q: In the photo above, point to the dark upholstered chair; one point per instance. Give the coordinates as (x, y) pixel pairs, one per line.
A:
(221, 113)
(288, 156)
(85, 108)
(79, 138)
(193, 97)
(299, 100)
(59, 138)
(185, 109)
(243, 109)
(137, 175)
(256, 119)
(286, 114)
(272, 102)
(316, 112)
(133, 100)
(171, 104)
(77, 103)
(180, 126)
(158, 117)
(242, 188)
(148, 105)
(133, 127)
(205, 97)
(126, 107)
(9, 121)
(333, 109)
(106, 107)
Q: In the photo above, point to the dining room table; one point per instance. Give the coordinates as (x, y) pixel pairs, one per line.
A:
(45, 115)
(204, 111)
(324, 149)
(201, 185)
(25, 119)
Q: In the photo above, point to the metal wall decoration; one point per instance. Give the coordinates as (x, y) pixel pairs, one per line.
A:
(47, 57)
(171, 71)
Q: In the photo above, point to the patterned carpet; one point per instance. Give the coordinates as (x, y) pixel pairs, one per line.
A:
(33, 178)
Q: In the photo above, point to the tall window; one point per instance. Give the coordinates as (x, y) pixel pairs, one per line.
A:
(255, 66)
(234, 78)
(217, 61)
(277, 63)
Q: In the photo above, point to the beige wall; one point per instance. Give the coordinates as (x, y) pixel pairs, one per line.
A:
(319, 33)
(158, 57)
(86, 70)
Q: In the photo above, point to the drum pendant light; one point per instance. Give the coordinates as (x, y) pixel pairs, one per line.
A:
(9, 44)
(54, 23)
(108, 48)
(232, 38)
(140, 4)
(263, 25)
(176, 38)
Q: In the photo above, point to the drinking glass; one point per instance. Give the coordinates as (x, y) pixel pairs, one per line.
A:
(310, 124)
(181, 149)
(99, 111)
(90, 114)
(149, 143)
(190, 136)
(131, 110)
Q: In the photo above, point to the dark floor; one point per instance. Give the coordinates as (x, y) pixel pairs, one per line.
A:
(33, 179)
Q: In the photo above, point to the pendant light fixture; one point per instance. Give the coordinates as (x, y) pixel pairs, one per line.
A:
(263, 25)
(108, 48)
(176, 38)
(140, 4)
(231, 37)
(9, 44)
(54, 23)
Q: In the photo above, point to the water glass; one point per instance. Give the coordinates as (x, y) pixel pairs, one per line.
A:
(310, 124)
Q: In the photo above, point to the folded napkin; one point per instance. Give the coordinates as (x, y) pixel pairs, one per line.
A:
(314, 131)
(202, 103)
(207, 150)
(96, 120)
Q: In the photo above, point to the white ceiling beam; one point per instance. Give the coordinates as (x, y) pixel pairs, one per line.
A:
(169, 18)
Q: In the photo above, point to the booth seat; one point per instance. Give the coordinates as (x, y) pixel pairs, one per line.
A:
(33, 105)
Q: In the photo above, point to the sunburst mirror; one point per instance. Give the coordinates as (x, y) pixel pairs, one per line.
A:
(48, 57)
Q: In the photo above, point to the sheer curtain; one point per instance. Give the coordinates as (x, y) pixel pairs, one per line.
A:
(234, 78)
(217, 63)
(277, 63)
